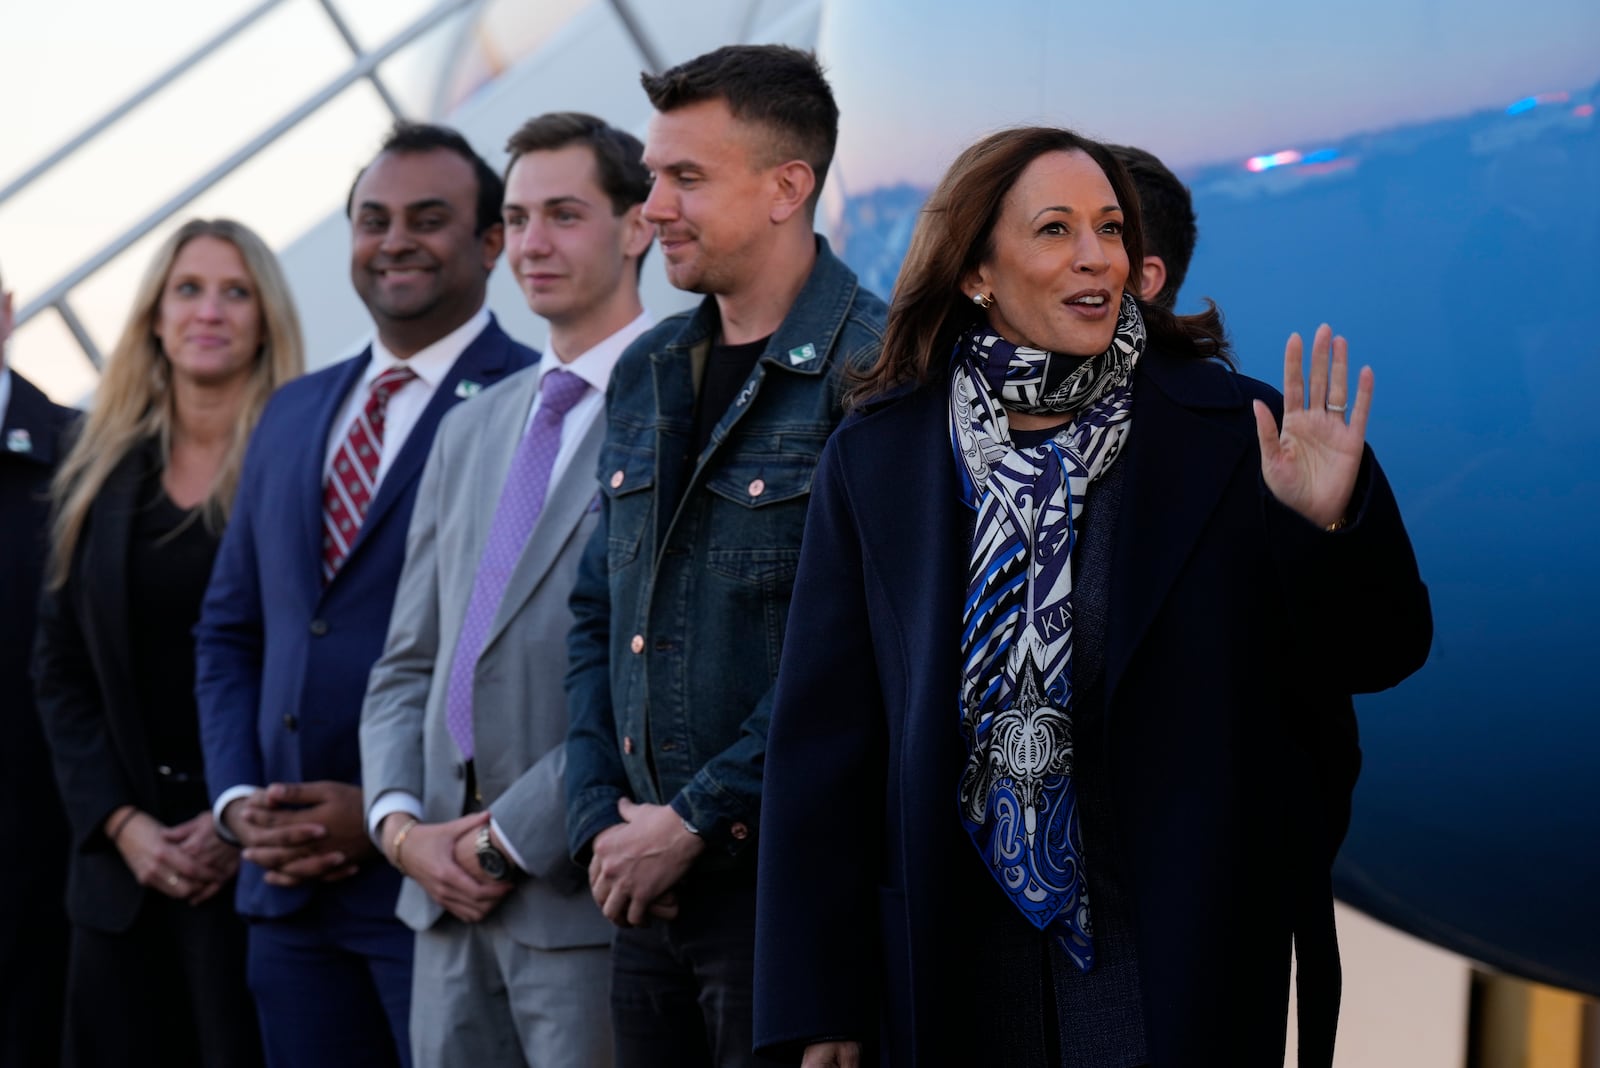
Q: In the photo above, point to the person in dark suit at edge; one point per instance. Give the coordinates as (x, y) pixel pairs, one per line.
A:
(157, 957)
(299, 602)
(33, 827)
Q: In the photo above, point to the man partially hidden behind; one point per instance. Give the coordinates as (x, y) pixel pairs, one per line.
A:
(33, 828)
(462, 734)
(1170, 234)
(298, 605)
(1167, 215)
(715, 422)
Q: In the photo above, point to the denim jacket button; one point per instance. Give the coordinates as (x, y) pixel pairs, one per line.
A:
(757, 488)
(616, 480)
(627, 746)
(739, 831)
(637, 645)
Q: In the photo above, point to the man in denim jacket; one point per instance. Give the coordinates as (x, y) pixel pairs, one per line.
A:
(716, 419)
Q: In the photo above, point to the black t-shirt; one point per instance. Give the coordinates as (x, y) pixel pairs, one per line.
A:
(170, 553)
(727, 368)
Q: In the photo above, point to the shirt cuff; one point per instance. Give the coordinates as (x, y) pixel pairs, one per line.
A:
(226, 798)
(505, 843)
(388, 803)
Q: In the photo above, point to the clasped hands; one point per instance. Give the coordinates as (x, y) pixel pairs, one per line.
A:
(187, 862)
(1310, 465)
(637, 862)
(301, 831)
(443, 859)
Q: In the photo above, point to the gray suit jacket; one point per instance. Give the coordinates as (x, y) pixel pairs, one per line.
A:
(519, 704)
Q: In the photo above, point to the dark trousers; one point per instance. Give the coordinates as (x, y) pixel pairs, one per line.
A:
(332, 988)
(33, 965)
(681, 989)
(170, 990)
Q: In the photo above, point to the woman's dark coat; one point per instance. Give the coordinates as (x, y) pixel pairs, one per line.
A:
(84, 674)
(1237, 632)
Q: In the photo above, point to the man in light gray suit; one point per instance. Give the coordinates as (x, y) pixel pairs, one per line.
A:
(462, 730)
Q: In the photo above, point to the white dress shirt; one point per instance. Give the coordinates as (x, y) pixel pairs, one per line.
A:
(431, 365)
(594, 367)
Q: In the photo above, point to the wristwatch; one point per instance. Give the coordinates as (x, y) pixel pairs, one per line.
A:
(493, 862)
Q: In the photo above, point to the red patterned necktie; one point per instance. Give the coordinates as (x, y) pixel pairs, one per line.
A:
(353, 479)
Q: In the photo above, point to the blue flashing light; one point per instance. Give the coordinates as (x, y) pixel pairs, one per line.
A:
(1321, 155)
(1527, 103)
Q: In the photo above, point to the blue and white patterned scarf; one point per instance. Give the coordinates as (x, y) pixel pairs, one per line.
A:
(1018, 798)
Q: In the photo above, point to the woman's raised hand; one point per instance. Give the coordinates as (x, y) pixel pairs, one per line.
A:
(1310, 465)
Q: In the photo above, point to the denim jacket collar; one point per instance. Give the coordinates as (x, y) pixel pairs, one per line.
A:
(681, 605)
(807, 334)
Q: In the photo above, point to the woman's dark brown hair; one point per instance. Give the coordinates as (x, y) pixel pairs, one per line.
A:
(955, 234)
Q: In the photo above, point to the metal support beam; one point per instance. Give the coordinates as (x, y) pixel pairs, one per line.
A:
(110, 118)
(85, 342)
(641, 40)
(363, 68)
(355, 50)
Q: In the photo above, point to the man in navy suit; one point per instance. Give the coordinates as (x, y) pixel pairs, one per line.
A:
(300, 596)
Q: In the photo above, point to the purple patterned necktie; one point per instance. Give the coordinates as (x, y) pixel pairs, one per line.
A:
(521, 500)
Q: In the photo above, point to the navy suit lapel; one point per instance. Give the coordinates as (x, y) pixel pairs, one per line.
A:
(314, 452)
(1180, 457)
(483, 363)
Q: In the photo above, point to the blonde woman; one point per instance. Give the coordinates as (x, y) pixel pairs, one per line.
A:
(157, 955)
